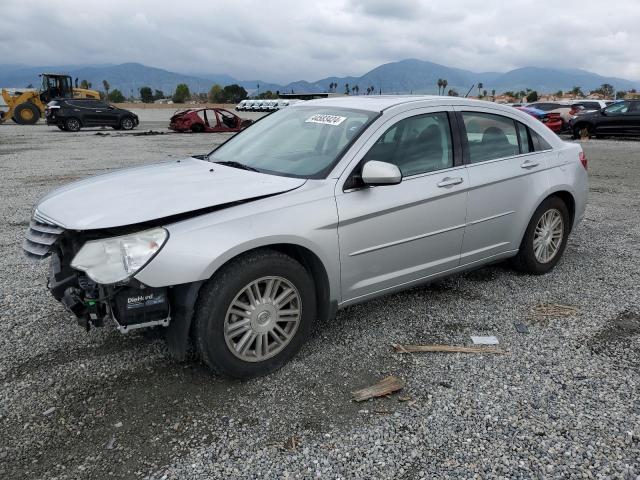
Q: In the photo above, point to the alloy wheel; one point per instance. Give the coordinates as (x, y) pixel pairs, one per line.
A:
(548, 236)
(262, 319)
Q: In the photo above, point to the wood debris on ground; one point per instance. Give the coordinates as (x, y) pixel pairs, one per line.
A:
(292, 443)
(445, 349)
(384, 387)
(555, 310)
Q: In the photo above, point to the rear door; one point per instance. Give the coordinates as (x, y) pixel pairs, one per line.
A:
(398, 234)
(506, 176)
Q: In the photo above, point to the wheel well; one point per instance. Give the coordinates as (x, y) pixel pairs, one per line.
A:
(314, 266)
(569, 201)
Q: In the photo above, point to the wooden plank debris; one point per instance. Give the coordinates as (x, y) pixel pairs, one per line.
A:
(445, 349)
(555, 310)
(384, 387)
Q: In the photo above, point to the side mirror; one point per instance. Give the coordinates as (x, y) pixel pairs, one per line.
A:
(380, 173)
(603, 111)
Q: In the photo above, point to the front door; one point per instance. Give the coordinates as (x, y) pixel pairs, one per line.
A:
(616, 119)
(398, 234)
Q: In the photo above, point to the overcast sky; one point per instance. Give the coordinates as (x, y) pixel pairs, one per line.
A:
(282, 40)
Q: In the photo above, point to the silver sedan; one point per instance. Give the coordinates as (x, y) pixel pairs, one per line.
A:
(318, 206)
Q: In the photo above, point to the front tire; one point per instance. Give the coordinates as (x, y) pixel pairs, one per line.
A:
(254, 314)
(127, 123)
(545, 238)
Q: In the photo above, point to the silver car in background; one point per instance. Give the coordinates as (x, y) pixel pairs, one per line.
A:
(321, 205)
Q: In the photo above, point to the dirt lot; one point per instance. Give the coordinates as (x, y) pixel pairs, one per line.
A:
(563, 403)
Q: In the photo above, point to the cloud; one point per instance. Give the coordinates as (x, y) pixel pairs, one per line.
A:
(285, 40)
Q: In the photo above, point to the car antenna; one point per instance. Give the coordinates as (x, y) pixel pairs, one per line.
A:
(470, 90)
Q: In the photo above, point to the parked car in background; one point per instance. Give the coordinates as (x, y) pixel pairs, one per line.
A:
(552, 120)
(621, 118)
(563, 109)
(207, 120)
(591, 105)
(72, 114)
(242, 105)
(322, 205)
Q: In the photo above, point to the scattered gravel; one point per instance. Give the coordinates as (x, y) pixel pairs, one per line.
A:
(563, 403)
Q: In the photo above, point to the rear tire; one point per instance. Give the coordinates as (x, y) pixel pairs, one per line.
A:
(270, 325)
(545, 238)
(72, 124)
(578, 130)
(26, 114)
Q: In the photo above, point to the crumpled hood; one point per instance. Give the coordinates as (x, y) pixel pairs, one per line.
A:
(140, 194)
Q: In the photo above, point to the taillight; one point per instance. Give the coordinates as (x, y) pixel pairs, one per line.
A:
(583, 159)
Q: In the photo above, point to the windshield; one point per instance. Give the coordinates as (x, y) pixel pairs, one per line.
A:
(296, 142)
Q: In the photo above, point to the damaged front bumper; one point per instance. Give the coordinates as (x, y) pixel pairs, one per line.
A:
(131, 305)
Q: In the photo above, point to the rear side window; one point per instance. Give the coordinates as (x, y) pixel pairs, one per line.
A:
(416, 145)
(490, 136)
(539, 143)
(526, 144)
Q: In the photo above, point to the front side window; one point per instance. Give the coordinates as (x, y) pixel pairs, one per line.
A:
(490, 136)
(621, 107)
(300, 142)
(416, 145)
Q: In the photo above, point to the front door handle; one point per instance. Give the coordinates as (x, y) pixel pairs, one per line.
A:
(449, 181)
(529, 164)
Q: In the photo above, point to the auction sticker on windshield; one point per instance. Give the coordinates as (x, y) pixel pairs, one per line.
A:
(326, 119)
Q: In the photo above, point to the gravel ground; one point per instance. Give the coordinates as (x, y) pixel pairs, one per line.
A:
(563, 403)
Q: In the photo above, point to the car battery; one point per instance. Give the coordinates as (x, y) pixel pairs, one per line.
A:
(136, 306)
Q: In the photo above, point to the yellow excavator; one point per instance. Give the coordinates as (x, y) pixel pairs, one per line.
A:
(27, 106)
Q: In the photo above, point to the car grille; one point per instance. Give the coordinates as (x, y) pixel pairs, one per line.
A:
(40, 237)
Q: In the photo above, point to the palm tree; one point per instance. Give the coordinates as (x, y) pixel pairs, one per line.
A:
(346, 88)
(439, 85)
(493, 93)
(444, 85)
(480, 87)
(106, 86)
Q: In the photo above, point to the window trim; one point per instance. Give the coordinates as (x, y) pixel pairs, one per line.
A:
(456, 146)
(465, 141)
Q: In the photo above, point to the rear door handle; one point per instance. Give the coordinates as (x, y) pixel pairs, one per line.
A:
(449, 181)
(529, 164)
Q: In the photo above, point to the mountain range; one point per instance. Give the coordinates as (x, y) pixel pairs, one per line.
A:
(404, 76)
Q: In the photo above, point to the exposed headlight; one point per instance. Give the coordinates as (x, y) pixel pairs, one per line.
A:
(115, 259)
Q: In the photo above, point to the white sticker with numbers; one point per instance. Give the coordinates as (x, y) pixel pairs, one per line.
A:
(325, 119)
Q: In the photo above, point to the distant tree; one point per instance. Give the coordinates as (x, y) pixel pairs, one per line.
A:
(234, 93)
(444, 85)
(453, 93)
(346, 88)
(106, 86)
(620, 94)
(480, 87)
(633, 90)
(182, 93)
(559, 93)
(30, 85)
(85, 84)
(116, 96)
(146, 95)
(356, 89)
(522, 94)
(606, 89)
(484, 93)
(577, 91)
(268, 95)
(509, 93)
(493, 93)
(216, 94)
(439, 83)
(158, 95)
(532, 96)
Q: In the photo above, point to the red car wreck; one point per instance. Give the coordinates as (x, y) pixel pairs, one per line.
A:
(207, 120)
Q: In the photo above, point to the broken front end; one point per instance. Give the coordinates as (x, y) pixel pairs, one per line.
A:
(91, 273)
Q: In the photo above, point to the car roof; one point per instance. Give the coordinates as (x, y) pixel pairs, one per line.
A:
(378, 103)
